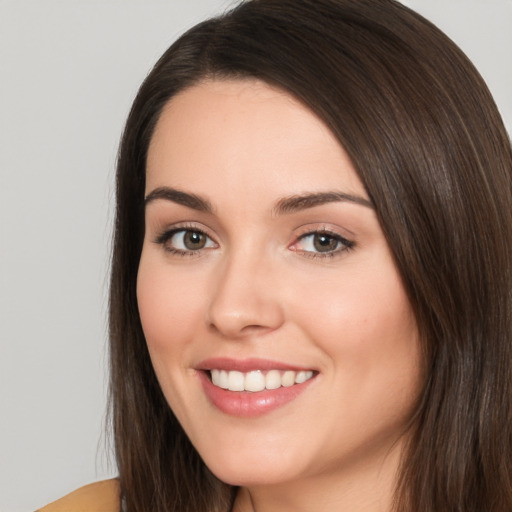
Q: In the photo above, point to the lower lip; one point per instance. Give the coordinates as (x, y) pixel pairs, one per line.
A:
(249, 404)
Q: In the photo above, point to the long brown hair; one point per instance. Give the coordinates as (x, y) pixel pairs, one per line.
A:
(429, 145)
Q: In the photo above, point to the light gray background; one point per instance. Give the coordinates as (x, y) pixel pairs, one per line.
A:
(68, 72)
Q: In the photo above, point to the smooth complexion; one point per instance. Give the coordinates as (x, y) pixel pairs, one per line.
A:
(263, 252)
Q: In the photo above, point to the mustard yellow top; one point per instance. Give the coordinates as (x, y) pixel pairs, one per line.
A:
(98, 497)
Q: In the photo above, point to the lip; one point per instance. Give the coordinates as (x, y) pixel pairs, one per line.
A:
(247, 404)
(246, 365)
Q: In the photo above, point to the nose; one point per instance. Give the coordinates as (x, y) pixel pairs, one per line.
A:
(244, 298)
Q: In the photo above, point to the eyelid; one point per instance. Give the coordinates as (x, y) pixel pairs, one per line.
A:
(346, 244)
(166, 234)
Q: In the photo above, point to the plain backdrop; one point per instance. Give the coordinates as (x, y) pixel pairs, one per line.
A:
(69, 70)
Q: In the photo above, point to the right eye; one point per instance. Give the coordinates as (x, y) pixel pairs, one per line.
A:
(185, 241)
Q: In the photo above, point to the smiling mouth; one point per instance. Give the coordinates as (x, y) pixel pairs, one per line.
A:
(258, 380)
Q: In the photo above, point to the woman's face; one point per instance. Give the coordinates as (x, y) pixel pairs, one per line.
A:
(264, 269)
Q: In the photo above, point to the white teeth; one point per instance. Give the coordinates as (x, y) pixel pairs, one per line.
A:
(220, 377)
(288, 379)
(303, 377)
(273, 379)
(236, 381)
(257, 380)
(223, 379)
(254, 381)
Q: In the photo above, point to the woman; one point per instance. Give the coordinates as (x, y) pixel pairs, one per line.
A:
(310, 295)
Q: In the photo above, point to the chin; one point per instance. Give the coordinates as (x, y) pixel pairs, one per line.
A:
(250, 477)
(254, 470)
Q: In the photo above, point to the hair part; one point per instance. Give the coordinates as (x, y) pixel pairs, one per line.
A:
(428, 143)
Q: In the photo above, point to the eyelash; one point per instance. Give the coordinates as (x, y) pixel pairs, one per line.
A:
(343, 244)
(166, 236)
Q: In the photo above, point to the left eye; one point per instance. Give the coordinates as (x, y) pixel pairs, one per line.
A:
(186, 240)
(322, 242)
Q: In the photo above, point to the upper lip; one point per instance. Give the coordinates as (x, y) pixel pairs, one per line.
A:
(246, 365)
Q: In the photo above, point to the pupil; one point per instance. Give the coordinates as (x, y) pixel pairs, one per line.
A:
(324, 243)
(194, 240)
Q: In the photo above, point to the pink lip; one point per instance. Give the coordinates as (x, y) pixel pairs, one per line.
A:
(245, 365)
(247, 404)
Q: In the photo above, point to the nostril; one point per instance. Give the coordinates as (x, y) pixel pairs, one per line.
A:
(240, 331)
(243, 302)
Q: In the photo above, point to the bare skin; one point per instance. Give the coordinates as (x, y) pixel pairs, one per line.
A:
(235, 268)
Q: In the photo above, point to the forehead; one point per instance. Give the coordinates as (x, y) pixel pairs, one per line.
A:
(229, 130)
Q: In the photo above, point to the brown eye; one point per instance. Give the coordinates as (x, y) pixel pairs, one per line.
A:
(323, 242)
(185, 241)
(194, 240)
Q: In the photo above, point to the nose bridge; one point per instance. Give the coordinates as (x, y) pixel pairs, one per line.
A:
(243, 299)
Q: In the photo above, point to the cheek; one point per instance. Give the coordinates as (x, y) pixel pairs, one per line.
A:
(169, 306)
(369, 333)
(364, 322)
(360, 302)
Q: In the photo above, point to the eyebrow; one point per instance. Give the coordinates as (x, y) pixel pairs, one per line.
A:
(177, 196)
(284, 206)
(304, 201)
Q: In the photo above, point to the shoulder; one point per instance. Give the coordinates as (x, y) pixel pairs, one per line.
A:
(101, 496)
